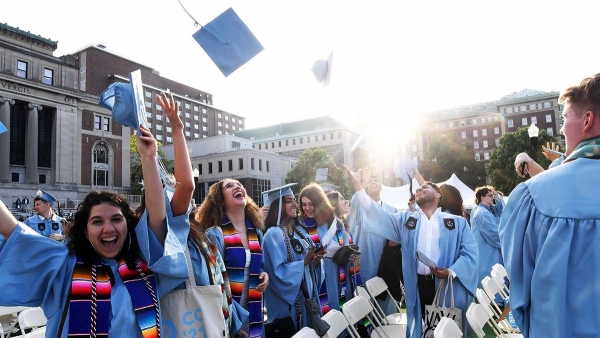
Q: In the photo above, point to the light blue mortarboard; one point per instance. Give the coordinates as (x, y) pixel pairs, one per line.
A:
(2, 128)
(404, 168)
(327, 187)
(227, 41)
(270, 196)
(123, 99)
(46, 196)
(322, 70)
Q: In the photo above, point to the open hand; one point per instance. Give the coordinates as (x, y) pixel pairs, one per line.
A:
(171, 108)
(550, 155)
(354, 176)
(146, 143)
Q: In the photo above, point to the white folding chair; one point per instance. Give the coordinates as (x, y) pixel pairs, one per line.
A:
(447, 328)
(498, 274)
(478, 318)
(31, 318)
(492, 311)
(38, 333)
(376, 286)
(401, 319)
(358, 308)
(306, 332)
(9, 319)
(338, 323)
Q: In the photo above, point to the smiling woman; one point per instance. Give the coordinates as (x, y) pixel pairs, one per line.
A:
(108, 279)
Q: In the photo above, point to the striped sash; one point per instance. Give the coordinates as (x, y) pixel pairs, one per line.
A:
(236, 263)
(89, 306)
(311, 228)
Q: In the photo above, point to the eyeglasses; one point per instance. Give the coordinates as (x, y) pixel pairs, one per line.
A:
(489, 195)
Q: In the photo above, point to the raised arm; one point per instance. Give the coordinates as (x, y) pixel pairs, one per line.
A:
(154, 198)
(418, 176)
(530, 165)
(183, 167)
(8, 222)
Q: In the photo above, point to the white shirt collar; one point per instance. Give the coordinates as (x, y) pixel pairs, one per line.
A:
(435, 214)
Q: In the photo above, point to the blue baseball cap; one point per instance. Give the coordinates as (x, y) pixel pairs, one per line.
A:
(46, 196)
(228, 42)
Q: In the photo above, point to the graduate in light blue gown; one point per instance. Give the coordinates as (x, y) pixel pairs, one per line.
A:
(46, 222)
(105, 246)
(458, 254)
(550, 230)
(485, 230)
(338, 283)
(285, 237)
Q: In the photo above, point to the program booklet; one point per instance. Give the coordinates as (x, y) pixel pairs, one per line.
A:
(425, 260)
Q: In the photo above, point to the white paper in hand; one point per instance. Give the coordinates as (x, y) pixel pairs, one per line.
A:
(425, 260)
(332, 249)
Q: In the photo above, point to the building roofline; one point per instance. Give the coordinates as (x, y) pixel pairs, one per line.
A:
(29, 34)
(103, 48)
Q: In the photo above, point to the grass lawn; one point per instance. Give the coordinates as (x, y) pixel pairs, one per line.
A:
(488, 333)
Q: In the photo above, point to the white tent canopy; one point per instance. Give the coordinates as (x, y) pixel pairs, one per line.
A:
(399, 196)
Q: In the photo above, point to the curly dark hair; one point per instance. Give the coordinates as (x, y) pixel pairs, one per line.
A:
(212, 209)
(78, 243)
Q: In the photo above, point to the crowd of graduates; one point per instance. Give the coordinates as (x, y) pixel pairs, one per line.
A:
(111, 273)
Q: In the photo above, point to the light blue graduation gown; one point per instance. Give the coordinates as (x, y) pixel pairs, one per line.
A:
(485, 230)
(371, 246)
(332, 272)
(549, 234)
(41, 272)
(458, 252)
(43, 226)
(285, 277)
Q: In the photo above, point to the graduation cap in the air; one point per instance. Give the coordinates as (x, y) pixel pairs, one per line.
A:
(2, 128)
(404, 168)
(270, 196)
(126, 102)
(46, 196)
(322, 70)
(327, 187)
(227, 41)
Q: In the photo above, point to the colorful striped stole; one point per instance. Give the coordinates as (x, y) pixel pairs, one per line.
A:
(311, 228)
(235, 262)
(90, 298)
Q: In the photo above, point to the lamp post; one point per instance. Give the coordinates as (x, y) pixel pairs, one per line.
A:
(196, 174)
(533, 132)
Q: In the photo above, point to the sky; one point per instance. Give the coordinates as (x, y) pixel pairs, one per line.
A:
(392, 60)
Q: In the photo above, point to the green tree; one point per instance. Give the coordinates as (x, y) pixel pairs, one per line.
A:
(305, 170)
(136, 175)
(447, 155)
(501, 169)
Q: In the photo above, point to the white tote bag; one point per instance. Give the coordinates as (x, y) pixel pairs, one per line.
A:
(435, 312)
(194, 312)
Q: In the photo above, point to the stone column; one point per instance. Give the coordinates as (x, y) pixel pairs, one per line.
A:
(31, 144)
(5, 139)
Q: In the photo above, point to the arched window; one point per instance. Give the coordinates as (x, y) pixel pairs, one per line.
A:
(100, 165)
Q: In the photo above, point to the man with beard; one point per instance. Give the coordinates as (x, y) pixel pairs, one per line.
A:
(445, 238)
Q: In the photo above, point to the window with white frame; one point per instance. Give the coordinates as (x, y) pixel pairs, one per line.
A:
(159, 137)
(204, 128)
(203, 110)
(48, 76)
(233, 119)
(548, 118)
(477, 158)
(159, 127)
(159, 117)
(463, 134)
(97, 122)
(220, 132)
(510, 123)
(168, 129)
(188, 115)
(497, 142)
(187, 106)
(148, 104)
(474, 121)
(227, 117)
(187, 124)
(158, 107)
(205, 120)
(149, 125)
(550, 131)
(196, 108)
(196, 126)
(196, 117)
(149, 114)
(169, 139)
(523, 121)
(483, 132)
(475, 133)
(100, 165)
(226, 125)
(486, 155)
(534, 120)
(196, 135)
(496, 130)
(148, 94)
(219, 124)
(476, 145)
(188, 134)
(485, 143)
(219, 115)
